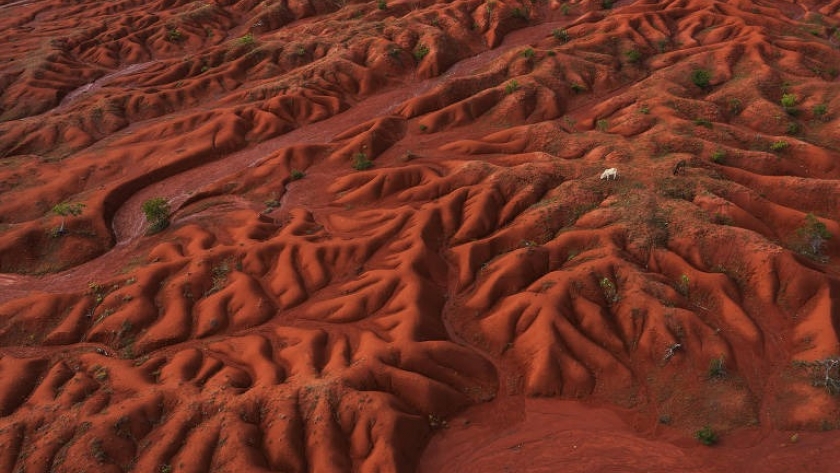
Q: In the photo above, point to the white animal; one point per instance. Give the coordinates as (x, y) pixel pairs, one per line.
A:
(611, 173)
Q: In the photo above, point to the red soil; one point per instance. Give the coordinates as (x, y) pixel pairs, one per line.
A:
(477, 300)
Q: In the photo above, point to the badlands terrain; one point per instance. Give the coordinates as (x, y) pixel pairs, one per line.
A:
(382, 243)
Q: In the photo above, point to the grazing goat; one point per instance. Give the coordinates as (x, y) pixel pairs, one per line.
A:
(611, 173)
(680, 166)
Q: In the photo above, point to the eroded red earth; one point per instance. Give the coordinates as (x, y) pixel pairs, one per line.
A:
(390, 249)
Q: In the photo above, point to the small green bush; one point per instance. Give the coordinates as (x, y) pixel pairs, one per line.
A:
(529, 53)
(718, 156)
(717, 367)
(602, 124)
(735, 105)
(820, 111)
(511, 87)
(706, 436)
(64, 210)
(703, 122)
(633, 55)
(296, 174)
(420, 52)
(610, 291)
(381, 4)
(684, 286)
(701, 77)
(174, 36)
(812, 236)
(519, 12)
(156, 210)
(560, 34)
(778, 145)
(247, 40)
(577, 88)
(361, 162)
(788, 100)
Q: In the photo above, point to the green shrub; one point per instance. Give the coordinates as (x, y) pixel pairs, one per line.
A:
(65, 209)
(560, 34)
(577, 88)
(684, 286)
(511, 87)
(602, 124)
(778, 145)
(361, 161)
(247, 40)
(812, 236)
(788, 100)
(706, 436)
(607, 4)
(529, 53)
(296, 174)
(519, 12)
(703, 122)
(735, 105)
(633, 55)
(610, 291)
(566, 9)
(156, 210)
(174, 36)
(420, 52)
(701, 77)
(717, 367)
(718, 156)
(381, 4)
(820, 111)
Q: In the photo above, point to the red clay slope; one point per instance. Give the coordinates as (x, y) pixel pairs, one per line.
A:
(388, 231)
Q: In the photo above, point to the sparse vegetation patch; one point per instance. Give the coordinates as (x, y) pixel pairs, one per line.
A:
(420, 52)
(361, 161)
(64, 210)
(812, 237)
(511, 87)
(560, 34)
(701, 77)
(706, 436)
(717, 368)
(156, 211)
